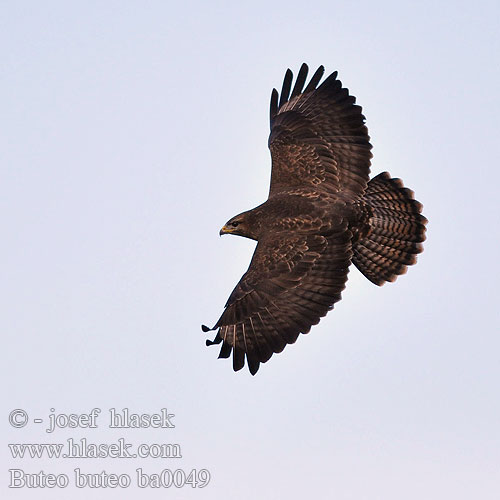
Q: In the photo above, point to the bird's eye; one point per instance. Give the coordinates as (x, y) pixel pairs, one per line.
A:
(235, 224)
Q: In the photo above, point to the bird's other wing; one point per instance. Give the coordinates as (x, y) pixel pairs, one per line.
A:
(318, 137)
(293, 280)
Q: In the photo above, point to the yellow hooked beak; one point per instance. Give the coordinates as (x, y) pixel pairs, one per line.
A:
(226, 230)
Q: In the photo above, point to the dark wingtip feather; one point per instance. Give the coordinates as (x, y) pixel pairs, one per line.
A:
(253, 366)
(225, 350)
(315, 79)
(205, 328)
(274, 104)
(216, 340)
(330, 80)
(238, 359)
(301, 79)
(285, 89)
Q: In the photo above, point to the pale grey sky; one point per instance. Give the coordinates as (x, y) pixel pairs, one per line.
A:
(131, 131)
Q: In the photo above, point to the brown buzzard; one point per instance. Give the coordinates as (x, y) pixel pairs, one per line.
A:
(323, 212)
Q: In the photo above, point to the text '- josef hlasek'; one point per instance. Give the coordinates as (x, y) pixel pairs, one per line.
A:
(117, 419)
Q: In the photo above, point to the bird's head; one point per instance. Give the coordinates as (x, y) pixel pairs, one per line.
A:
(241, 225)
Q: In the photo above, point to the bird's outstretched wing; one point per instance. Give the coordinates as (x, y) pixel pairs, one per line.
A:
(318, 138)
(293, 280)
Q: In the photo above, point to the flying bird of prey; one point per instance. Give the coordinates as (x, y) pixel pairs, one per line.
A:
(322, 214)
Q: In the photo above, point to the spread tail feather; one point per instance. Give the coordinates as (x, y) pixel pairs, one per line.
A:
(397, 230)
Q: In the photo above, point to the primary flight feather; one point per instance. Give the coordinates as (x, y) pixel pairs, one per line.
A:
(322, 214)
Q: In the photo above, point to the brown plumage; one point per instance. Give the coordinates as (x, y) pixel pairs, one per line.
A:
(322, 213)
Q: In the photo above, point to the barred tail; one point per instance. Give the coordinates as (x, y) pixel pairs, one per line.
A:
(397, 230)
